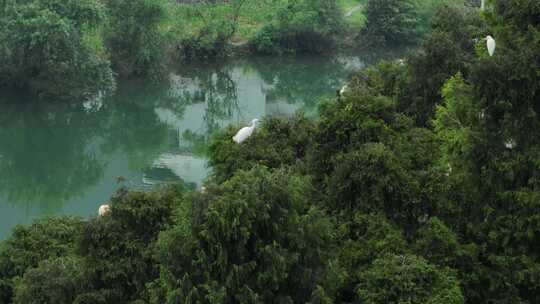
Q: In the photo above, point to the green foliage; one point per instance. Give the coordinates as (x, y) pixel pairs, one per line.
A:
(61, 48)
(447, 50)
(53, 47)
(427, 9)
(370, 157)
(419, 184)
(103, 260)
(363, 238)
(258, 239)
(453, 123)
(45, 239)
(389, 22)
(213, 26)
(117, 251)
(355, 120)
(300, 26)
(494, 162)
(53, 281)
(371, 179)
(135, 36)
(407, 279)
(277, 142)
(438, 243)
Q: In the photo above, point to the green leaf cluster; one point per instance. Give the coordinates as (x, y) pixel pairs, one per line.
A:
(53, 47)
(300, 26)
(68, 49)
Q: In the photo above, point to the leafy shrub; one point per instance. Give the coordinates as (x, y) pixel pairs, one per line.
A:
(407, 279)
(276, 143)
(53, 281)
(52, 47)
(213, 24)
(117, 250)
(300, 26)
(389, 22)
(257, 239)
(135, 37)
(28, 247)
(371, 179)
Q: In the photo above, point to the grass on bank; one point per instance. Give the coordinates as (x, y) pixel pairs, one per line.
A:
(353, 11)
(253, 16)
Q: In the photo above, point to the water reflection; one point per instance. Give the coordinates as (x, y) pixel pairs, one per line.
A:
(58, 158)
(46, 154)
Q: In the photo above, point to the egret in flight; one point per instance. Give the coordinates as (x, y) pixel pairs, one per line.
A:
(490, 45)
(245, 132)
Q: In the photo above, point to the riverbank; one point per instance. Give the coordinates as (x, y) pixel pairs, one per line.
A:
(236, 29)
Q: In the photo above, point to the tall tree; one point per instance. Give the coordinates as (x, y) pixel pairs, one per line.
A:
(256, 238)
(389, 22)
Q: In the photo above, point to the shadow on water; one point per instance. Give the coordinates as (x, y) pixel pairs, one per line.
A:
(65, 158)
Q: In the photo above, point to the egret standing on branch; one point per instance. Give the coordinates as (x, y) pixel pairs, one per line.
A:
(245, 132)
(490, 45)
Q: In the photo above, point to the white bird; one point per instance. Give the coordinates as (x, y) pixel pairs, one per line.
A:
(245, 132)
(104, 210)
(343, 90)
(490, 45)
(510, 144)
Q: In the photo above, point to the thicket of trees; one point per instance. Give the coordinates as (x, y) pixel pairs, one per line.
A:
(300, 26)
(421, 184)
(74, 49)
(54, 46)
(67, 49)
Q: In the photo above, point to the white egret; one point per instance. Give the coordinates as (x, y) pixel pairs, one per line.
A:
(490, 45)
(510, 144)
(481, 114)
(104, 210)
(343, 90)
(448, 169)
(245, 132)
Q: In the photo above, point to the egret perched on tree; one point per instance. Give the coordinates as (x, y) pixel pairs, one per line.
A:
(343, 90)
(245, 132)
(104, 210)
(490, 45)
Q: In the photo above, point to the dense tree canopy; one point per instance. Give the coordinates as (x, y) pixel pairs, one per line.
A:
(257, 237)
(53, 47)
(390, 22)
(145, 50)
(418, 184)
(304, 25)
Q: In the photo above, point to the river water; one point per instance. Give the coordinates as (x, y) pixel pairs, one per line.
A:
(69, 157)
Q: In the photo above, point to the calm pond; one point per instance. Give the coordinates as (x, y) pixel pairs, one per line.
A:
(65, 158)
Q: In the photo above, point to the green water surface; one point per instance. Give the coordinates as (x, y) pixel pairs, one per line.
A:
(60, 157)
